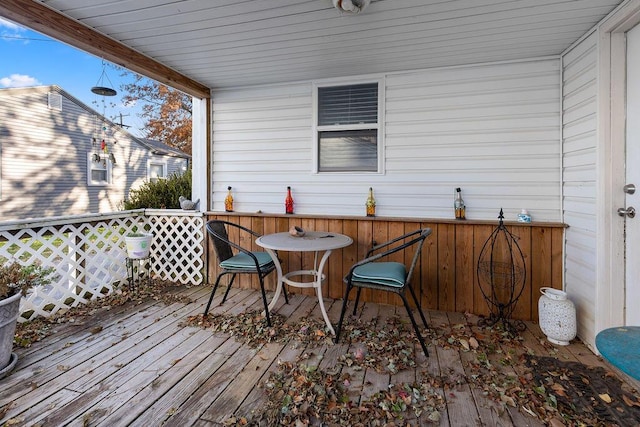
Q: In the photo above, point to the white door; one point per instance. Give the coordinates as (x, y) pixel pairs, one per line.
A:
(632, 225)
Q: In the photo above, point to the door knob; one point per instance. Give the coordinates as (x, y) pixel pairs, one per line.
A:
(630, 212)
(629, 188)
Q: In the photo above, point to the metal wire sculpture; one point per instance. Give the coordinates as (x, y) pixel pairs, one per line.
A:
(501, 274)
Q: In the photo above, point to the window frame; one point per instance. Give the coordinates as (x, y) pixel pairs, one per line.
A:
(156, 161)
(379, 126)
(108, 168)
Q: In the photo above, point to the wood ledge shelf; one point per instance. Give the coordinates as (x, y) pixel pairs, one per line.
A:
(393, 219)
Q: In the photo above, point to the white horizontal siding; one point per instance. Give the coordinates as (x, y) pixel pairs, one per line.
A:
(44, 159)
(579, 180)
(493, 130)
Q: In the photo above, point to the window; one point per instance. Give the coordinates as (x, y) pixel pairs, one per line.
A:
(157, 169)
(98, 169)
(348, 128)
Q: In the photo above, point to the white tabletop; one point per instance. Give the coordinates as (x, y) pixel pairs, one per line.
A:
(311, 241)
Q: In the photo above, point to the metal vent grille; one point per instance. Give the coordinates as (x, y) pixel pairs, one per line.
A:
(55, 101)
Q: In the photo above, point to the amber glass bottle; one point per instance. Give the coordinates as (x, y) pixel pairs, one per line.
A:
(371, 203)
(288, 202)
(228, 201)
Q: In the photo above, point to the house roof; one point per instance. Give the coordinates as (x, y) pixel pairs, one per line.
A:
(201, 44)
(156, 147)
(161, 148)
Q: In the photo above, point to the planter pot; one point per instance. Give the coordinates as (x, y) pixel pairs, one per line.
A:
(138, 245)
(9, 311)
(557, 316)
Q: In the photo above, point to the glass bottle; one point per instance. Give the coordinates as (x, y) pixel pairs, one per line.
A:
(458, 205)
(228, 201)
(288, 202)
(371, 203)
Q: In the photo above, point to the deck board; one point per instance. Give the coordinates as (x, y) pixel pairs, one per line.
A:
(142, 368)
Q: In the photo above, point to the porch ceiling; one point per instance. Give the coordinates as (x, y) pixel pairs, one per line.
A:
(226, 43)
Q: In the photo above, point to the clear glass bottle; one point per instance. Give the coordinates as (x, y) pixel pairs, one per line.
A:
(288, 202)
(228, 201)
(458, 205)
(371, 203)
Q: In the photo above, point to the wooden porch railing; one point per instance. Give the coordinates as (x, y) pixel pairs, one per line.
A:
(446, 278)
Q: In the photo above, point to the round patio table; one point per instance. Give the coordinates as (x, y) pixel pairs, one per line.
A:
(313, 241)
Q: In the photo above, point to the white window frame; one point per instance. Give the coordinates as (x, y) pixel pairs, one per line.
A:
(380, 125)
(90, 167)
(157, 161)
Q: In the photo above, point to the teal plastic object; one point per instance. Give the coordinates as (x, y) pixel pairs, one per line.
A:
(621, 347)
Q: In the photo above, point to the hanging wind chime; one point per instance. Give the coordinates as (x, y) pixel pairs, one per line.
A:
(101, 129)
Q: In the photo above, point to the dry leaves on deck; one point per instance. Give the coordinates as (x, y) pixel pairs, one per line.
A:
(160, 290)
(301, 395)
(386, 349)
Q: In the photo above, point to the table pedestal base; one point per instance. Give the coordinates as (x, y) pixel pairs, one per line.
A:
(318, 278)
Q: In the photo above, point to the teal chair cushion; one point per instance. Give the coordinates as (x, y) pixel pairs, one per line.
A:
(381, 273)
(244, 261)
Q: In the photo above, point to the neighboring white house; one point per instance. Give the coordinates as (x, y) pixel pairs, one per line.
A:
(60, 157)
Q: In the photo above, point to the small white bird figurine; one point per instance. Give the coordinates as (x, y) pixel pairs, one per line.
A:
(187, 204)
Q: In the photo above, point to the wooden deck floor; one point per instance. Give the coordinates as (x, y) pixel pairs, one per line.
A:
(136, 366)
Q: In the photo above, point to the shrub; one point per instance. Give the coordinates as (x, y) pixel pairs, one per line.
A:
(15, 277)
(161, 194)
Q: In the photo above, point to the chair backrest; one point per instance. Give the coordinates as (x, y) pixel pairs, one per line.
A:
(416, 237)
(220, 238)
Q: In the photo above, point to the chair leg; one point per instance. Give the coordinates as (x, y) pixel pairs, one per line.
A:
(213, 292)
(344, 309)
(226, 294)
(264, 300)
(355, 306)
(415, 300)
(415, 325)
(284, 291)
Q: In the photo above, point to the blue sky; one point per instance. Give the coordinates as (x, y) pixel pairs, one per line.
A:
(28, 58)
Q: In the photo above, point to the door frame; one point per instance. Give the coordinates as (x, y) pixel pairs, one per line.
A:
(610, 287)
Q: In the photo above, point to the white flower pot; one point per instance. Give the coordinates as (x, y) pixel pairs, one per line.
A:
(138, 245)
(557, 316)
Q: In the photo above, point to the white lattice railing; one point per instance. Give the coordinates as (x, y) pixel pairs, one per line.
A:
(89, 255)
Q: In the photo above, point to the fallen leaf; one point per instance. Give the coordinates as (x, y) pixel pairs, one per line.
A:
(529, 411)
(473, 343)
(508, 400)
(630, 402)
(464, 343)
(605, 397)
(555, 422)
(559, 389)
(96, 329)
(434, 417)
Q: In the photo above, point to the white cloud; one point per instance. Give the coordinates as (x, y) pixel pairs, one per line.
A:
(10, 25)
(10, 32)
(18, 80)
